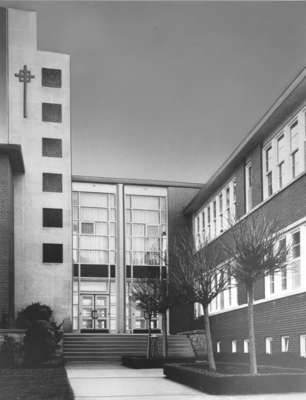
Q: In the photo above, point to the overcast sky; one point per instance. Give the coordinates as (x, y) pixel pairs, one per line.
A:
(167, 90)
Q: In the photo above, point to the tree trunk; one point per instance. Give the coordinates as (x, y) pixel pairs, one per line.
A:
(149, 353)
(165, 335)
(210, 350)
(252, 344)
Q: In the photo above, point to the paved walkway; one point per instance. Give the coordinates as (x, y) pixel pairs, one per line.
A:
(115, 382)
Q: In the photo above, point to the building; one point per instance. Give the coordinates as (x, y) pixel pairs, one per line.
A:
(73, 243)
(76, 243)
(265, 175)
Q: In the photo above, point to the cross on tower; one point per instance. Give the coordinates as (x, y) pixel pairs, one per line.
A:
(25, 77)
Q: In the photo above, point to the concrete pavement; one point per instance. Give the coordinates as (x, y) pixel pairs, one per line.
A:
(115, 382)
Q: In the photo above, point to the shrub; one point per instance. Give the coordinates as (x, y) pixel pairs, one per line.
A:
(11, 353)
(33, 312)
(42, 334)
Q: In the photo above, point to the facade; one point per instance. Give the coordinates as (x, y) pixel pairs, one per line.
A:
(264, 176)
(73, 243)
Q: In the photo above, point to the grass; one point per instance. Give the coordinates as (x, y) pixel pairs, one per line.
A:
(35, 384)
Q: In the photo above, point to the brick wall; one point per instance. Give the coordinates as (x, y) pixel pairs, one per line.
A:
(6, 237)
(275, 318)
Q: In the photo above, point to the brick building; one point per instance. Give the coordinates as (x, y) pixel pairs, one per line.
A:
(264, 175)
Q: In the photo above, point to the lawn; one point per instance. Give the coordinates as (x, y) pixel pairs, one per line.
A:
(35, 384)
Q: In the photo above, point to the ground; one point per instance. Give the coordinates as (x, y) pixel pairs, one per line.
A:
(34, 384)
(115, 382)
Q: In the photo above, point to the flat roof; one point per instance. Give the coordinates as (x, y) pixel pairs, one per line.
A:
(292, 97)
(139, 182)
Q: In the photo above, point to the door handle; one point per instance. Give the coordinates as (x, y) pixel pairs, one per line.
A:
(94, 314)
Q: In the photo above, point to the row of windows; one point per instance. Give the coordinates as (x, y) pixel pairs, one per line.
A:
(282, 161)
(284, 345)
(283, 156)
(52, 217)
(288, 278)
(216, 216)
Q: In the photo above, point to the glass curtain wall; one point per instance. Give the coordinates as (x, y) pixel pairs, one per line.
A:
(145, 246)
(94, 259)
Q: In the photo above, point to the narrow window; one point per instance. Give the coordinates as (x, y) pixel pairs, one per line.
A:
(51, 147)
(272, 282)
(294, 144)
(268, 343)
(203, 227)
(246, 345)
(53, 217)
(221, 211)
(52, 182)
(234, 346)
(234, 199)
(248, 186)
(218, 347)
(52, 253)
(303, 345)
(285, 344)
(215, 217)
(294, 160)
(51, 77)
(270, 185)
(281, 160)
(227, 200)
(296, 262)
(284, 277)
(208, 222)
(51, 112)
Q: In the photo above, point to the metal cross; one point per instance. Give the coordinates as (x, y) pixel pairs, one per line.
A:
(25, 77)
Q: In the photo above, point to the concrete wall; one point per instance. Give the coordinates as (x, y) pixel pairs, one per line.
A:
(6, 240)
(35, 281)
(180, 317)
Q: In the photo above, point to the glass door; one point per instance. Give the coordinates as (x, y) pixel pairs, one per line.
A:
(94, 313)
(87, 307)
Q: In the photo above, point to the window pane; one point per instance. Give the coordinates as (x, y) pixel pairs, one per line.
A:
(75, 227)
(53, 217)
(112, 229)
(294, 133)
(52, 182)
(112, 214)
(51, 147)
(152, 245)
(138, 244)
(75, 198)
(152, 231)
(93, 214)
(87, 228)
(101, 228)
(52, 253)
(94, 242)
(111, 198)
(138, 230)
(281, 148)
(93, 200)
(51, 77)
(93, 257)
(145, 202)
(51, 112)
(112, 244)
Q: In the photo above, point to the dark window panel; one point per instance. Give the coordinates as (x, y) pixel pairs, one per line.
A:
(52, 253)
(51, 77)
(51, 147)
(113, 271)
(53, 217)
(144, 271)
(128, 271)
(94, 270)
(52, 182)
(75, 270)
(51, 112)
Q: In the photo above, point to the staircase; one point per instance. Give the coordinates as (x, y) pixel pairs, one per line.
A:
(103, 347)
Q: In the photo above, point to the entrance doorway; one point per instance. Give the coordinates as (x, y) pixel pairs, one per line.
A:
(94, 313)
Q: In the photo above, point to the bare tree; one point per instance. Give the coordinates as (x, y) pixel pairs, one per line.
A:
(255, 250)
(154, 297)
(198, 277)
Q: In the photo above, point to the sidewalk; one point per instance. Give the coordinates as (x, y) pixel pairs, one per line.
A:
(115, 382)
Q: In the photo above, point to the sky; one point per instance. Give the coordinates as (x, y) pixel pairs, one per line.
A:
(167, 90)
